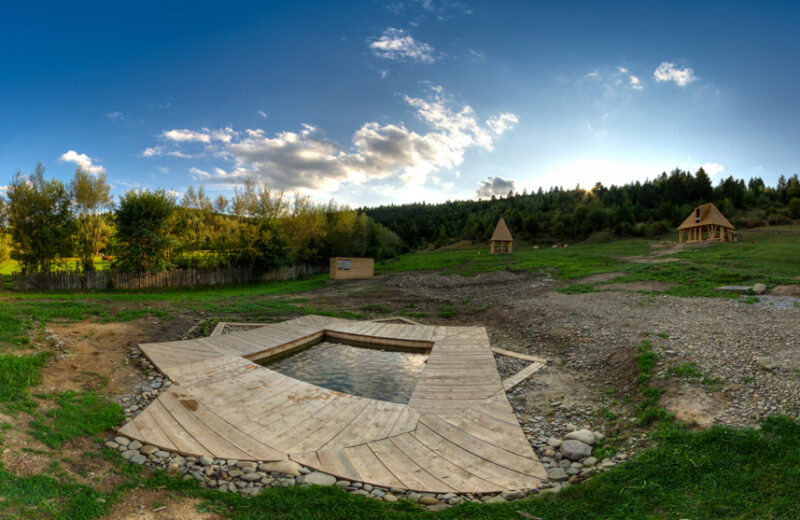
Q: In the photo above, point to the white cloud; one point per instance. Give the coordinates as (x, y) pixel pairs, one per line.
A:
(667, 72)
(153, 151)
(712, 168)
(83, 161)
(186, 136)
(307, 161)
(503, 122)
(4, 189)
(163, 169)
(397, 44)
(263, 114)
(116, 115)
(197, 173)
(615, 79)
(497, 186)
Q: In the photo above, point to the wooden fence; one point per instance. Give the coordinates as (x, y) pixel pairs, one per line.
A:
(61, 280)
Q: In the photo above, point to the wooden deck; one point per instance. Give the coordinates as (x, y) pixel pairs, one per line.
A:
(457, 433)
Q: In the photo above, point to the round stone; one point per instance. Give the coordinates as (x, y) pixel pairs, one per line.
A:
(575, 450)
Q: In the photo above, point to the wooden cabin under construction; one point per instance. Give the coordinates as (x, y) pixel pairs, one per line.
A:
(501, 242)
(705, 223)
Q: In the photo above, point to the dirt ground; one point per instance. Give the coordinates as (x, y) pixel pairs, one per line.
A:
(158, 504)
(589, 340)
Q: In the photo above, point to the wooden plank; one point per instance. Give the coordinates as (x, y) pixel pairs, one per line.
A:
(406, 422)
(451, 474)
(181, 410)
(370, 468)
(129, 429)
(522, 375)
(406, 470)
(498, 433)
(518, 355)
(181, 439)
(309, 459)
(150, 430)
(257, 450)
(336, 463)
(433, 428)
(375, 422)
(328, 426)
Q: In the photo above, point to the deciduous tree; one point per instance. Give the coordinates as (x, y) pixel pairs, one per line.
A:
(90, 199)
(41, 222)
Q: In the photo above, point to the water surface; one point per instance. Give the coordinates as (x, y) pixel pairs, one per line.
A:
(368, 372)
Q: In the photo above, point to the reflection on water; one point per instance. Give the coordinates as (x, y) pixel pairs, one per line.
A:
(368, 372)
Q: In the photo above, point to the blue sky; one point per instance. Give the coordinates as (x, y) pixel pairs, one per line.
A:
(408, 100)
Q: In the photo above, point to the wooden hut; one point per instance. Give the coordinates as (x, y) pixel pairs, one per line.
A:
(501, 242)
(705, 223)
(351, 268)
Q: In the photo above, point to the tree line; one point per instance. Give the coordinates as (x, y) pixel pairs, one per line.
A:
(647, 208)
(44, 222)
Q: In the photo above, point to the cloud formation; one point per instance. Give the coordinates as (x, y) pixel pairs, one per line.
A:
(306, 160)
(712, 168)
(667, 72)
(397, 44)
(83, 161)
(497, 186)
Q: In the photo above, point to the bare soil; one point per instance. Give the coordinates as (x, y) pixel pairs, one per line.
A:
(158, 504)
(648, 286)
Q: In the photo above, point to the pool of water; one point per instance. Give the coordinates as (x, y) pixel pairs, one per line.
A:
(368, 372)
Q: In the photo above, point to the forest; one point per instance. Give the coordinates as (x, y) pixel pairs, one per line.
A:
(647, 208)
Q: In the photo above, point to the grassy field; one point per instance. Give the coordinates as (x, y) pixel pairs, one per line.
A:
(719, 473)
(767, 255)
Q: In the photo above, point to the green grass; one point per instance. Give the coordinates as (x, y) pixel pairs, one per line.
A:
(17, 373)
(78, 414)
(646, 362)
(45, 497)
(572, 262)
(687, 370)
(136, 314)
(648, 410)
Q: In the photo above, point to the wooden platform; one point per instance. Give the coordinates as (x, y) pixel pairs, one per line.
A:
(457, 433)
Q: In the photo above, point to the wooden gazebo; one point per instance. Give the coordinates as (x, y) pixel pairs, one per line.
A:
(706, 223)
(501, 242)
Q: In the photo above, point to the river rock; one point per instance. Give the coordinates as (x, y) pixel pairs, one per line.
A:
(320, 479)
(766, 363)
(557, 474)
(575, 449)
(287, 467)
(759, 288)
(585, 436)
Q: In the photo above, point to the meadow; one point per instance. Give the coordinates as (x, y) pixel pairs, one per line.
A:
(718, 473)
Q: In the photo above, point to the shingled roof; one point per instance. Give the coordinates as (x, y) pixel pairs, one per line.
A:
(709, 215)
(501, 232)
